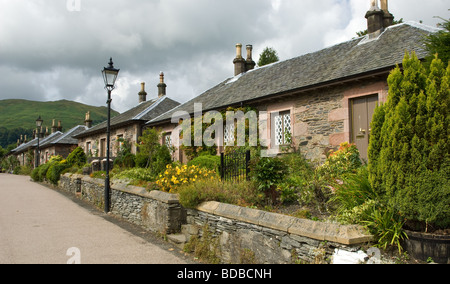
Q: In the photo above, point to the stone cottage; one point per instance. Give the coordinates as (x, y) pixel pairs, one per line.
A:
(52, 143)
(62, 144)
(128, 125)
(320, 99)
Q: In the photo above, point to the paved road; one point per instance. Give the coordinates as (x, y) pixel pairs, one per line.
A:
(39, 225)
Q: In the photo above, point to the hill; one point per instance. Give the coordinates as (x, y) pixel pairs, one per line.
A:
(20, 116)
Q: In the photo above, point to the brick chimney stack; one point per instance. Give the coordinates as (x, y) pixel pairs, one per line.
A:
(239, 61)
(54, 127)
(161, 86)
(142, 94)
(249, 64)
(240, 64)
(378, 19)
(88, 120)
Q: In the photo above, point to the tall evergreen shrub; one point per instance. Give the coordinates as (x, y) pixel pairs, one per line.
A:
(409, 160)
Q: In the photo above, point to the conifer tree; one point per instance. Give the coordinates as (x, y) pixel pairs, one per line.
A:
(409, 160)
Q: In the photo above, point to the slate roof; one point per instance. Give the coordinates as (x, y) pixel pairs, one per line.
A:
(347, 60)
(143, 112)
(33, 143)
(66, 138)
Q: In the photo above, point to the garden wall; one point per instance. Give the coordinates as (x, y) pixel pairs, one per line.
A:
(237, 234)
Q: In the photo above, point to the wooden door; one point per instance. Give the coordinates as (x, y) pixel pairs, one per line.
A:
(362, 113)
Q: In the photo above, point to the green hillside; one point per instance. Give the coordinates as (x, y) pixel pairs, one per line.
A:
(22, 114)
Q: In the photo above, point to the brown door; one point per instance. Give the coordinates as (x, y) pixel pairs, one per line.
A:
(362, 113)
(103, 148)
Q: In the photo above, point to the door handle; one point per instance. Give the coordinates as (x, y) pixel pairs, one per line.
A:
(362, 131)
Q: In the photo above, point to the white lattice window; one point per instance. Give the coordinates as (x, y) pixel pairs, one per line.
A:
(168, 140)
(228, 136)
(282, 128)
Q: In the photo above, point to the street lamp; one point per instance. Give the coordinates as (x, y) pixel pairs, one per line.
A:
(109, 76)
(39, 123)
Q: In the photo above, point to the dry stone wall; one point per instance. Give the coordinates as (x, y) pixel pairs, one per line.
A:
(241, 235)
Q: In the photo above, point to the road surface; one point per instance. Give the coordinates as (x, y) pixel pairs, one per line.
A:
(39, 225)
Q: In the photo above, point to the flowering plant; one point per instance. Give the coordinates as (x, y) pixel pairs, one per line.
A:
(173, 177)
(345, 160)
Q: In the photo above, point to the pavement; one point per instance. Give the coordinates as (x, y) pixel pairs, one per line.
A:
(40, 225)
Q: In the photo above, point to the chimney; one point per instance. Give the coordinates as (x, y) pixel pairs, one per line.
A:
(59, 126)
(142, 94)
(239, 62)
(378, 19)
(161, 86)
(388, 18)
(249, 64)
(54, 128)
(88, 120)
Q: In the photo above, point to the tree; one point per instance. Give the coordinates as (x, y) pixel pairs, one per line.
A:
(439, 43)
(152, 154)
(409, 160)
(268, 56)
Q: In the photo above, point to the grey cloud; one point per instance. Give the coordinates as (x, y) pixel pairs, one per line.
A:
(58, 54)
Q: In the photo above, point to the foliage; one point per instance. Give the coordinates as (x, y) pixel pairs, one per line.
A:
(268, 56)
(18, 117)
(10, 163)
(386, 226)
(39, 174)
(354, 190)
(211, 162)
(9, 136)
(439, 43)
(175, 176)
(55, 169)
(294, 187)
(268, 173)
(152, 154)
(242, 194)
(345, 160)
(77, 157)
(195, 150)
(124, 159)
(137, 174)
(354, 198)
(409, 160)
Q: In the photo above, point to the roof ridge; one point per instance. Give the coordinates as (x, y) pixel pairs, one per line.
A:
(149, 108)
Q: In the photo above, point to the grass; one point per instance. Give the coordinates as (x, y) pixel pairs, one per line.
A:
(23, 113)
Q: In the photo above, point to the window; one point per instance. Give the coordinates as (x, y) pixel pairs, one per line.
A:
(228, 135)
(168, 140)
(88, 148)
(281, 128)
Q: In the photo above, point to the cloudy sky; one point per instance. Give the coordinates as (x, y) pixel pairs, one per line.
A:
(55, 49)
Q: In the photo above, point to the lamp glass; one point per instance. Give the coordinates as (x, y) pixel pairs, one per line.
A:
(110, 75)
(39, 122)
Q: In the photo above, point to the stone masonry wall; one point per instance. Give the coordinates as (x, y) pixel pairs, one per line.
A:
(240, 234)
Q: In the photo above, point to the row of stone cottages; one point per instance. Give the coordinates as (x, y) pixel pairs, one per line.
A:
(322, 98)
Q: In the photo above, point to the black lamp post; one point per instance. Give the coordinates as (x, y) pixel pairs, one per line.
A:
(110, 76)
(39, 123)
